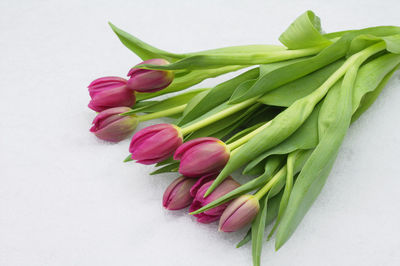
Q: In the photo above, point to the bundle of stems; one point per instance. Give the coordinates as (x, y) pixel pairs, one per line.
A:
(281, 121)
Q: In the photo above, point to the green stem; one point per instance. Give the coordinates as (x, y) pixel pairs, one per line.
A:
(215, 117)
(281, 173)
(164, 113)
(247, 137)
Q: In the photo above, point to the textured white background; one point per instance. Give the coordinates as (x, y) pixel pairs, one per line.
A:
(67, 199)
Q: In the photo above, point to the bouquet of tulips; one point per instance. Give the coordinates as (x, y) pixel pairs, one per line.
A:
(281, 121)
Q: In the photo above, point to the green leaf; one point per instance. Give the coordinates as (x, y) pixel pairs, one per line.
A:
(370, 76)
(286, 192)
(168, 103)
(215, 96)
(370, 97)
(172, 167)
(142, 105)
(288, 121)
(243, 133)
(379, 31)
(188, 80)
(257, 230)
(291, 72)
(328, 55)
(128, 158)
(287, 94)
(306, 137)
(334, 120)
(166, 161)
(304, 32)
(207, 61)
(142, 49)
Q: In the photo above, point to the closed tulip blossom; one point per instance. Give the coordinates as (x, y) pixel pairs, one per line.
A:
(199, 201)
(146, 80)
(109, 125)
(155, 143)
(239, 213)
(109, 92)
(202, 156)
(177, 196)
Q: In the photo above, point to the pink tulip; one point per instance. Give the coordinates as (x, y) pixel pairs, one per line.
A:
(155, 143)
(110, 92)
(146, 80)
(199, 201)
(239, 213)
(202, 156)
(109, 125)
(177, 196)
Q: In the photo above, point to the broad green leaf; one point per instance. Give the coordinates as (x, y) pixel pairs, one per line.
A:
(204, 61)
(364, 40)
(304, 32)
(243, 133)
(306, 137)
(288, 121)
(371, 75)
(296, 70)
(264, 114)
(287, 94)
(142, 49)
(215, 96)
(379, 31)
(370, 97)
(142, 105)
(188, 80)
(241, 49)
(334, 120)
(328, 55)
(168, 103)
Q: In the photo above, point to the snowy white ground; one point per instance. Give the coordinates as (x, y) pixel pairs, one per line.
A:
(67, 199)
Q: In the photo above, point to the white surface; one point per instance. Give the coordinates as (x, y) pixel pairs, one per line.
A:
(67, 199)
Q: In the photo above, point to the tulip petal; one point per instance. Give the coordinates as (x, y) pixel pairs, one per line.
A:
(188, 145)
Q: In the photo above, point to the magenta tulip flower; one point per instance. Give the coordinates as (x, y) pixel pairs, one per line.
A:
(146, 80)
(199, 201)
(109, 125)
(202, 156)
(109, 92)
(155, 143)
(239, 213)
(177, 196)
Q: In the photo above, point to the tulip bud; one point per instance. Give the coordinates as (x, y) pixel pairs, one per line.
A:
(199, 201)
(202, 156)
(109, 125)
(239, 213)
(155, 143)
(177, 195)
(147, 80)
(110, 92)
